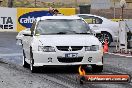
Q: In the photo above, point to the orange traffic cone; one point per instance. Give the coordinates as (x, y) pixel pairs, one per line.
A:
(105, 49)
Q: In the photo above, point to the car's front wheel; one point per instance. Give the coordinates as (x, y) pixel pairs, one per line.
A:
(25, 64)
(32, 68)
(104, 36)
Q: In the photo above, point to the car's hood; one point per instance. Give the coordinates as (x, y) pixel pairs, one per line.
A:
(68, 40)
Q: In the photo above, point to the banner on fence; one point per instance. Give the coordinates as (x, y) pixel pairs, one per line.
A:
(17, 19)
(26, 16)
(8, 18)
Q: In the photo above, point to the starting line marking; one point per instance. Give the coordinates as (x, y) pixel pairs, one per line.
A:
(12, 54)
(119, 54)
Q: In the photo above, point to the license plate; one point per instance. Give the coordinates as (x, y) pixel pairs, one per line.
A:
(71, 55)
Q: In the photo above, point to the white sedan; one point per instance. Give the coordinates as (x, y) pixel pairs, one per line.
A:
(109, 29)
(61, 41)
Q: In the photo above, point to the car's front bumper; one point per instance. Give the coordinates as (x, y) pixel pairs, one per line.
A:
(58, 58)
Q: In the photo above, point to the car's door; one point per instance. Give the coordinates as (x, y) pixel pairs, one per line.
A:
(94, 22)
(27, 39)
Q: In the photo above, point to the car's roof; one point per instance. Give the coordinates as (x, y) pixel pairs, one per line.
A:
(92, 15)
(57, 17)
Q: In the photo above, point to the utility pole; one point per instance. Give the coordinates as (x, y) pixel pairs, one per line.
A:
(114, 9)
(10, 3)
(35, 3)
(0, 2)
(75, 3)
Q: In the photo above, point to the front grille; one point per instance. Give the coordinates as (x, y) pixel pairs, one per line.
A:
(69, 48)
(69, 60)
(75, 48)
(63, 48)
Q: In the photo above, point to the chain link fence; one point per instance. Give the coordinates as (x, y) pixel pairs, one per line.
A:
(45, 3)
(105, 8)
(113, 9)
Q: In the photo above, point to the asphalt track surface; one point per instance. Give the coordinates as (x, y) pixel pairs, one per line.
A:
(13, 75)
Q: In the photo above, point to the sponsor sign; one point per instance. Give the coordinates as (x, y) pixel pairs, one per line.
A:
(8, 19)
(27, 19)
(105, 78)
(26, 16)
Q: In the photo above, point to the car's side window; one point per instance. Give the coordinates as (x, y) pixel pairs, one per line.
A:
(98, 20)
(91, 19)
(33, 27)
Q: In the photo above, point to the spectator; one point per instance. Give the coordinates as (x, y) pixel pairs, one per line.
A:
(56, 13)
(50, 12)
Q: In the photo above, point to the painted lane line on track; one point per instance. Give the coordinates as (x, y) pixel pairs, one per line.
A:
(12, 54)
(119, 54)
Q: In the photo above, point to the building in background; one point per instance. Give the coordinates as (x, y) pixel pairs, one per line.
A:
(100, 4)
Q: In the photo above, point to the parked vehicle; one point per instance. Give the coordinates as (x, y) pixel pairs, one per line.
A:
(61, 41)
(109, 29)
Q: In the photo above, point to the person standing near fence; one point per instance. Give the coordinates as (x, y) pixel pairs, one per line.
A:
(57, 13)
(50, 12)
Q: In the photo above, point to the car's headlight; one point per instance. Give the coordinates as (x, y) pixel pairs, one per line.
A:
(46, 48)
(92, 48)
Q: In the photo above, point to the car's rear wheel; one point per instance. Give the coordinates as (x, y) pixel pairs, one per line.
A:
(104, 36)
(97, 68)
(25, 64)
(32, 68)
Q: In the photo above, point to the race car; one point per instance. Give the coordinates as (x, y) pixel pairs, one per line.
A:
(61, 41)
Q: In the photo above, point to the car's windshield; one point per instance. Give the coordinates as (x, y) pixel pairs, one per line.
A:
(62, 26)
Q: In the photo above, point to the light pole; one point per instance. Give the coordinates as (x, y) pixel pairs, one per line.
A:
(114, 9)
(123, 5)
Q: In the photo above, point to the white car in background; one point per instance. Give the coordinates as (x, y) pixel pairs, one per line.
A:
(20, 35)
(109, 29)
(61, 41)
